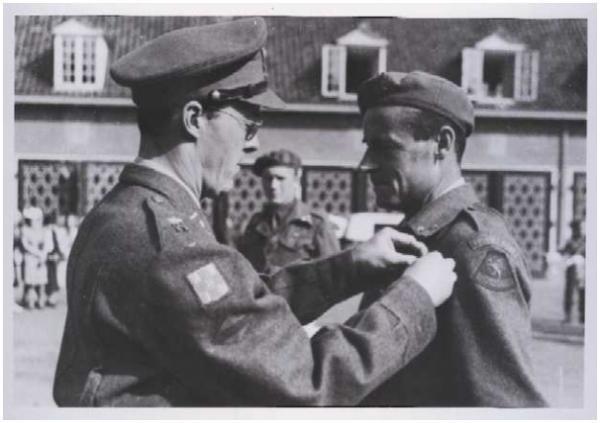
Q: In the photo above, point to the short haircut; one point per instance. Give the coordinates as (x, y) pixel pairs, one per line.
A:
(425, 124)
(153, 121)
(158, 119)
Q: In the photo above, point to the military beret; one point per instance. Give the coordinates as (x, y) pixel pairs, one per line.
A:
(420, 90)
(276, 158)
(218, 62)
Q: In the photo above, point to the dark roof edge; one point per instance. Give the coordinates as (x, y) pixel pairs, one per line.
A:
(300, 107)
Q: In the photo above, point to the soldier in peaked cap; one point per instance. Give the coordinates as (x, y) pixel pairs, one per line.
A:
(286, 230)
(415, 126)
(160, 313)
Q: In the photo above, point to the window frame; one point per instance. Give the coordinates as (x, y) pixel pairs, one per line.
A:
(473, 60)
(362, 38)
(72, 30)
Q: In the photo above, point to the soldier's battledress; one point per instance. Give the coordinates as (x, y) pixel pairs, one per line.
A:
(574, 279)
(280, 235)
(480, 355)
(160, 314)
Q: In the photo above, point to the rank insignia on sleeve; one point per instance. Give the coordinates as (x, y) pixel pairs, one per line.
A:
(495, 271)
(208, 283)
(177, 224)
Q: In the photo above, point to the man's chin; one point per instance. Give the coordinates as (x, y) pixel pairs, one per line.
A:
(387, 200)
(388, 205)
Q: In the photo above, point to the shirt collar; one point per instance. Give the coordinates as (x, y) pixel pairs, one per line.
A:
(459, 182)
(299, 211)
(165, 171)
(440, 212)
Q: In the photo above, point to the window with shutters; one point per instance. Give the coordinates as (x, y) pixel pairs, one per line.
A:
(499, 71)
(354, 58)
(80, 57)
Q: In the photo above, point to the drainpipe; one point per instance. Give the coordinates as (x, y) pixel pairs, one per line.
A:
(562, 143)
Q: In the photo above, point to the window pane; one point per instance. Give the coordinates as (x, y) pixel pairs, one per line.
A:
(499, 74)
(333, 74)
(361, 64)
(88, 59)
(68, 58)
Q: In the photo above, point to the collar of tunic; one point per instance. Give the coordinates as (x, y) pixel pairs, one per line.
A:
(161, 183)
(161, 169)
(440, 212)
(299, 212)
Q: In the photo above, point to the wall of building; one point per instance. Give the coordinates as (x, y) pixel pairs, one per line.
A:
(320, 139)
(110, 133)
(75, 132)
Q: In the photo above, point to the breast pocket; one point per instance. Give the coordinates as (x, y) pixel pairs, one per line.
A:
(297, 239)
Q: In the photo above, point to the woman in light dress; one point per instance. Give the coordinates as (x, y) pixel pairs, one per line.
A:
(36, 242)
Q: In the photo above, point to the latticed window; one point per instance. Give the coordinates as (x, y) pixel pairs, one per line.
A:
(88, 60)
(579, 195)
(80, 57)
(68, 58)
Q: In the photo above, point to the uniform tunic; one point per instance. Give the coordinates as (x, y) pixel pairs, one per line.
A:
(301, 235)
(575, 277)
(480, 355)
(160, 313)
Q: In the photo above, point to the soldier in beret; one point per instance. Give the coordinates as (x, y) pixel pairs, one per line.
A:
(286, 230)
(574, 252)
(161, 314)
(416, 126)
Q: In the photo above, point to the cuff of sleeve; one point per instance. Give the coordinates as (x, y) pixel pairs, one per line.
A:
(413, 307)
(337, 275)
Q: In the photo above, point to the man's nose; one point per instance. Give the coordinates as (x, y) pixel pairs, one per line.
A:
(367, 164)
(252, 145)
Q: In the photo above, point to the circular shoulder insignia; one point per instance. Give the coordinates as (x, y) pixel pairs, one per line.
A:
(495, 272)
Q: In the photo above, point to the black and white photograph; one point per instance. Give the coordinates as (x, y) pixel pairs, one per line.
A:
(375, 211)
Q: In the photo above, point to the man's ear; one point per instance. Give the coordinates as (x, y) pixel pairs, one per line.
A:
(192, 110)
(446, 142)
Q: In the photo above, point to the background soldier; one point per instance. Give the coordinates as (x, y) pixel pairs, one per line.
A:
(160, 313)
(285, 230)
(416, 126)
(574, 250)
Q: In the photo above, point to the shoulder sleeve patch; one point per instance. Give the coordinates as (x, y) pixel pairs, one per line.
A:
(495, 272)
(208, 283)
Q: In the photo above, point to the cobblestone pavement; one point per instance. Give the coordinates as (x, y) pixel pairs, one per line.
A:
(558, 360)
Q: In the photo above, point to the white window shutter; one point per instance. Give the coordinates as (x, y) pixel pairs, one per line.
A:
(58, 62)
(101, 62)
(382, 60)
(526, 75)
(331, 70)
(472, 71)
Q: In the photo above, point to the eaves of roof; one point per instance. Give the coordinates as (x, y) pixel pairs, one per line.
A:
(49, 100)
